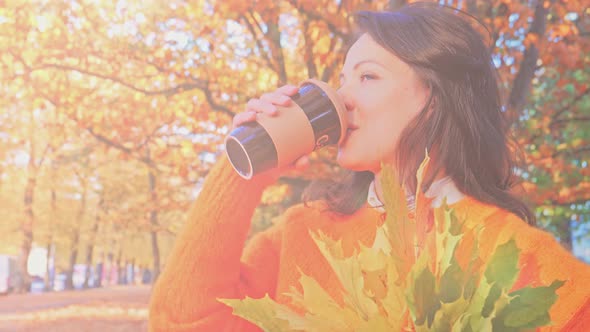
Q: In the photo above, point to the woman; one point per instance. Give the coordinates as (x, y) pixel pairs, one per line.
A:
(416, 79)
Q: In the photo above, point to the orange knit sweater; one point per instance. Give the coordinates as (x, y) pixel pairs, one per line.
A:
(209, 260)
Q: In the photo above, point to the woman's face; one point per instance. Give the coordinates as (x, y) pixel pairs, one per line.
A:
(382, 95)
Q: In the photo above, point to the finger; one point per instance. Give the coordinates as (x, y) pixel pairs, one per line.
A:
(276, 98)
(242, 118)
(302, 163)
(260, 106)
(288, 89)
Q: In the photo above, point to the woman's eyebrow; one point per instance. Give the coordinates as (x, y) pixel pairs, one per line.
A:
(367, 61)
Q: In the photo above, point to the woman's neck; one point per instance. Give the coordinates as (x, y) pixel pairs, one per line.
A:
(443, 186)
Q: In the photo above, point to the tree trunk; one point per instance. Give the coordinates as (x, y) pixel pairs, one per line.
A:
(118, 265)
(312, 71)
(91, 242)
(50, 270)
(88, 272)
(89, 260)
(132, 276)
(76, 235)
(29, 215)
(49, 276)
(73, 257)
(154, 233)
(396, 4)
(522, 82)
(274, 36)
(154, 222)
(27, 228)
(564, 228)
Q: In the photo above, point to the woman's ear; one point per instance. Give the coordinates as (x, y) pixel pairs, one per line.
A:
(431, 97)
(430, 101)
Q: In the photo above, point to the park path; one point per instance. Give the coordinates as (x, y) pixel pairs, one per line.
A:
(112, 309)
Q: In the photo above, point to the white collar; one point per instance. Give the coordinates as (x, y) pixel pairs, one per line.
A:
(439, 189)
(442, 188)
(373, 200)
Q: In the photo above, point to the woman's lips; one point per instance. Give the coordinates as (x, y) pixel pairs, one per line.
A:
(352, 127)
(349, 131)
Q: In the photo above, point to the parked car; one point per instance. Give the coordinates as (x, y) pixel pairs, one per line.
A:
(59, 283)
(9, 276)
(37, 284)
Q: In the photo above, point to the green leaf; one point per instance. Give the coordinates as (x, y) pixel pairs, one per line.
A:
(502, 268)
(442, 320)
(473, 316)
(456, 226)
(473, 278)
(426, 300)
(446, 241)
(470, 287)
(491, 299)
(451, 283)
(529, 307)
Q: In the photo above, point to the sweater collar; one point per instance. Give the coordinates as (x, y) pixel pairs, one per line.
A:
(439, 189)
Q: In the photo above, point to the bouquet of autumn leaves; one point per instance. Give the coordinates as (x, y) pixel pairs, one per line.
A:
(411, 279)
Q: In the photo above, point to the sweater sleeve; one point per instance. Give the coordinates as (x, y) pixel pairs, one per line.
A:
(571, 311)
(206, 262)
(547, 260)
(543, 260)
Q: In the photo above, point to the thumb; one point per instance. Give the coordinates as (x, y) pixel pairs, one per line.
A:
(302, 163)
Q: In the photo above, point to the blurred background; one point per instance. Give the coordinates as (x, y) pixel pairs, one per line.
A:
(112, 113)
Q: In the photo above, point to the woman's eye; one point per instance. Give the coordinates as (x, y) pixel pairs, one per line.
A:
(365, 77)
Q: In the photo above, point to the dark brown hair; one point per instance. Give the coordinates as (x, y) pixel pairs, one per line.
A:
(462, 125)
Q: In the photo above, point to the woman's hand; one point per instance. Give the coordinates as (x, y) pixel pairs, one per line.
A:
(267, 104)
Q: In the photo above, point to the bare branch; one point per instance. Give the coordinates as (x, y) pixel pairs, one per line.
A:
(209, 96)
(574, 101)
(167, 92)
(318, 17)
(43, 155)
(258, 40)
(555, 118)
(574, 119)
(572, 152)
(312, 70)
(196, 83)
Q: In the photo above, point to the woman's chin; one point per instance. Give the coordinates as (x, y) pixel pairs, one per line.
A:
(356, 163)
(342, 159)
(349, 162)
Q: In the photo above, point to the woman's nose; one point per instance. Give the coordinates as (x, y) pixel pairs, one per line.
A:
(346, 98)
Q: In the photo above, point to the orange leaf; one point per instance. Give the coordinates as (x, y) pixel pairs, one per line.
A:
(529, 272)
